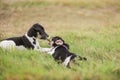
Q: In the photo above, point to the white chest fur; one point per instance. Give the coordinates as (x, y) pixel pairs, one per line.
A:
(32, 39)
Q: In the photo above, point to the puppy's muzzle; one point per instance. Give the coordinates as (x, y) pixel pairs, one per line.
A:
(49, 39)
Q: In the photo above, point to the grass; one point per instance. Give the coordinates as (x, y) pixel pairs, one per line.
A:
(90, 27)
(79, 3)
(102, 53)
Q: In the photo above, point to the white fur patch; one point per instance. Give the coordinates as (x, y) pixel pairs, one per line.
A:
(31, 39)
(67, 60)
(21, 47)
(37, 46)
(7, 44)
(46, 50)
(52, 51)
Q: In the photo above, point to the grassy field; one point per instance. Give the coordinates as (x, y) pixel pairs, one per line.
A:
(91, 27)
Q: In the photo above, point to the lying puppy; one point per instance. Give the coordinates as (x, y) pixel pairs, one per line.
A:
(27, 41)
(60, 52)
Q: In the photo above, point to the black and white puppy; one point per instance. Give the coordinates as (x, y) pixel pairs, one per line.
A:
(60, 52)
(27, 41)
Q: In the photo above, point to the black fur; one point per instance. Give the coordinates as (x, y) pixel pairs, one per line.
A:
(59, 38)
(32, 32)
(37, 28)
(22, 41)
(34, 42)
(62, 51)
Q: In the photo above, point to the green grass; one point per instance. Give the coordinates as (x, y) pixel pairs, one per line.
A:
(101, 49)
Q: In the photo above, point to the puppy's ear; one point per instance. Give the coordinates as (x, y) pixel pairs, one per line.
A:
(59, 42)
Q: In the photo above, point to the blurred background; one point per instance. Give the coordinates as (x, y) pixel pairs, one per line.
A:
(17, 16)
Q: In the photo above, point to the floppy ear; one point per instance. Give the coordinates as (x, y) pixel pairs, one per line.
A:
(59, 42)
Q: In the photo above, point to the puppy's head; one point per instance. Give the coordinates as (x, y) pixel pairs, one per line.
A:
(37, 30)
(56, 41)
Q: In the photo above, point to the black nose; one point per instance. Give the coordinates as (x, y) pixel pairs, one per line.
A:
(45, 36)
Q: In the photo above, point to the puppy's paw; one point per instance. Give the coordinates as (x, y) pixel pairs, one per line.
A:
(84, 58)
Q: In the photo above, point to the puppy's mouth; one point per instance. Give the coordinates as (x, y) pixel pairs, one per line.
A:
(43, 37)
(50, 42)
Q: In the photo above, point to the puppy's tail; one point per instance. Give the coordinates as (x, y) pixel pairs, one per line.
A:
(82, 58)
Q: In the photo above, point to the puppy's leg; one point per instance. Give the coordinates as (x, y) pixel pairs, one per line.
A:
(82, 58)
(7, 44)
(38, 48)
(66, 61)
(68, 66)
(45, 49)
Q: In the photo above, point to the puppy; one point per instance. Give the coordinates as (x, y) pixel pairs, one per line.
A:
(60, 52)
(27, 41)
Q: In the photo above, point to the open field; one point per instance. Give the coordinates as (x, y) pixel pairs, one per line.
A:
(91, 27)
